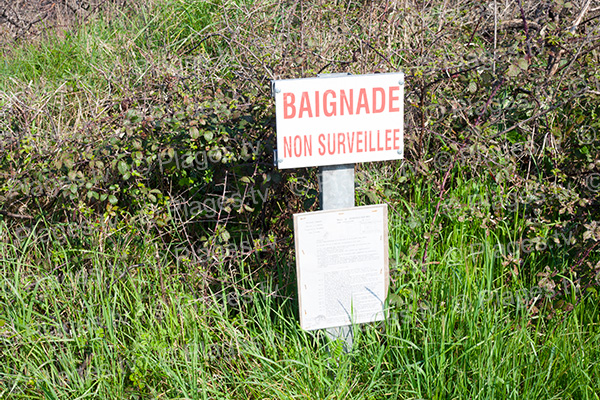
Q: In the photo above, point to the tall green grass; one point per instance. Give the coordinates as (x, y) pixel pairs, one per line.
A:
(106, 327)
(115, 48)
(108, 316)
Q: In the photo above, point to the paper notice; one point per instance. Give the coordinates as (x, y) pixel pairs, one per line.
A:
(342, 266)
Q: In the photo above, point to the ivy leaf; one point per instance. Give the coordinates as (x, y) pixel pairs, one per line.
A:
(372, 196)
(122, 166)
(523, 64)
(513, 71)
(472, 87)
(72, 175)
(225, 236)
(68, 162)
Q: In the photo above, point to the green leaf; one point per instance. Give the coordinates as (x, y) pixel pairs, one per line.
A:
(523, 64)
(194, 132)
(372, 197)
(225, 236)
(472, 87)
(186, 181)
(123, 167)
(112, 199)
(68, 162)
(395, 299)
(513, 71)
(215, 155)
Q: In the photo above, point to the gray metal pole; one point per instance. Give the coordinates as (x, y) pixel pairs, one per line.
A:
(336, 184)
(336, 190)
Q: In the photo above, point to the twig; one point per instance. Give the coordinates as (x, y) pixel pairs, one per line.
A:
(205, 38)
(487, 104)
(540, 114)
(495, 35)
(475, 30)
(437, 206)
(12, 215)
(517, 23)
(577, 21)
(526, 28)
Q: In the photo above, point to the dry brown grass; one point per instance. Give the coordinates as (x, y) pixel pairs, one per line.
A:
(27, 19)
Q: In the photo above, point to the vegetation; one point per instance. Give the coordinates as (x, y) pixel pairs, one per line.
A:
(145, 237)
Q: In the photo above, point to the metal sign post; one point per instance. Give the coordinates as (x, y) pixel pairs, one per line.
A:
(333, 124)
(337, 191)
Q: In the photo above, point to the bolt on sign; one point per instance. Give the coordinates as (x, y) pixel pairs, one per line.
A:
(339, 120)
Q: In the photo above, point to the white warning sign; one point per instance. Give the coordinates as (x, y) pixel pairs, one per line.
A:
(340, 120)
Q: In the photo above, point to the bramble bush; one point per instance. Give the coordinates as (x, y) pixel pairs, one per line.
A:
(506, 96)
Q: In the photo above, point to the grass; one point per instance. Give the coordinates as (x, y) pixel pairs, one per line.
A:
(456, 330)
(102, 313)
(117, 48)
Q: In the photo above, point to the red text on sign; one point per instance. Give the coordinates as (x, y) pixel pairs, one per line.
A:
(343, 143)
(341, 102)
